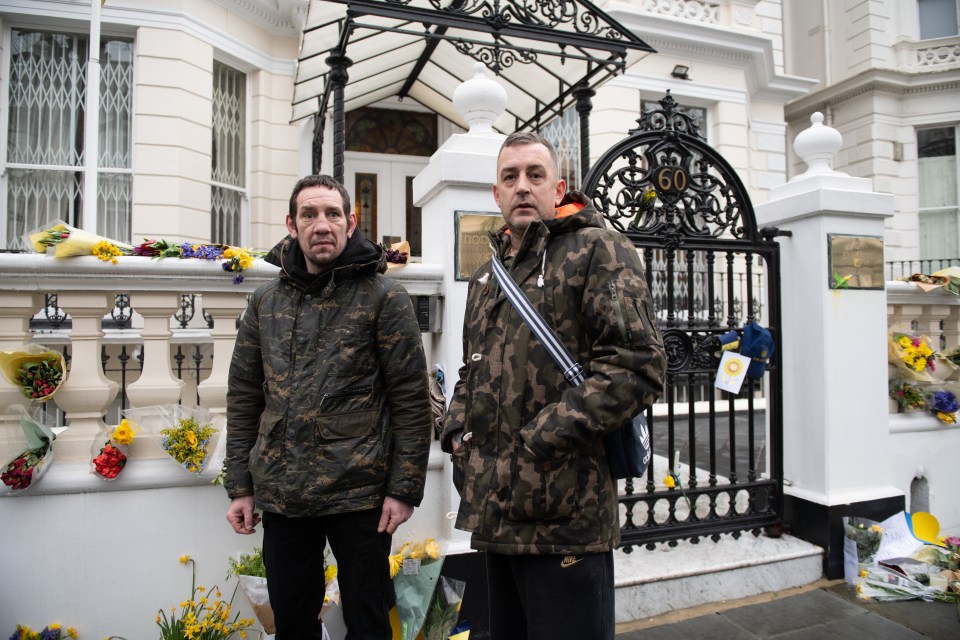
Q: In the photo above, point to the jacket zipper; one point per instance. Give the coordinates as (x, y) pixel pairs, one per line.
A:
(625, 332)
(344, 392)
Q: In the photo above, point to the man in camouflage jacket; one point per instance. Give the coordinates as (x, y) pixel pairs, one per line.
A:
(536, 490)
(328, 417)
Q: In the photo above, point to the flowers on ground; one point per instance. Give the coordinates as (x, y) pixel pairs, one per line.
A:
(52, 632)
(862, 538)
(187, 443)
(203, 616)
(112, 457)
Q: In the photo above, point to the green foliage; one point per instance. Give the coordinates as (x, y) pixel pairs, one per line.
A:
(249, 564)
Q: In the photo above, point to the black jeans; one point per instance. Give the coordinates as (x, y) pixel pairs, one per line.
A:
(293, 556)
(541, 597)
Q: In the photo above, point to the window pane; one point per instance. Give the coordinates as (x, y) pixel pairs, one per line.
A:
(229, 125)
(365, 207)
(938, 197)
(408, 133)
(564, 133)
(414, 222)
(47, 72)
(113, 206)
(36, 198)
(225, 216)
(938, 18)
(116, 91)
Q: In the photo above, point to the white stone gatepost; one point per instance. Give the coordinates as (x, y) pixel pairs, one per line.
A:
(459, 178)
(835, 411)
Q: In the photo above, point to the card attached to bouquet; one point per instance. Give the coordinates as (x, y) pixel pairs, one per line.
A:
(731, 372)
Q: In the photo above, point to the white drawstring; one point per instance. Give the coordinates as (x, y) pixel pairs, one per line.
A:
(543, 266)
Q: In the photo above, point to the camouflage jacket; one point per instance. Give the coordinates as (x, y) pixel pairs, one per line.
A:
(535, 472)
(327, 403)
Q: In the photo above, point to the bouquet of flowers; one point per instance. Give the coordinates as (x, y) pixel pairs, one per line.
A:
(111, 458)
(415, 569)
(51, 632)
(37, 371)
(186, 433)
(68, 241)
(203, 615)
(444, 609)
(943, 404)
(235, 259)
(32, 462)
(397, 253)
(911, 355)
(909, 396)
(252, 576)
(860, 545)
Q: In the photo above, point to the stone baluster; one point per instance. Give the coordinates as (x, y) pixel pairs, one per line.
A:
(156, 384)
(225, 308)
(87, 392)
(15, 313)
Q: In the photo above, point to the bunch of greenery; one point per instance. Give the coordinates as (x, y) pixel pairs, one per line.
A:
(249, 564)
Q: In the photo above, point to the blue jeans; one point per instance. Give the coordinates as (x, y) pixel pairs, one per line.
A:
(293, 556)
(548, 597)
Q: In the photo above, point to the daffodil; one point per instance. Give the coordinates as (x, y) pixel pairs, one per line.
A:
(123, 433)
(396, 562)
(669, 482)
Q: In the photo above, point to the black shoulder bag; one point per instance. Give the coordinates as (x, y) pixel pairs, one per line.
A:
(628, 448)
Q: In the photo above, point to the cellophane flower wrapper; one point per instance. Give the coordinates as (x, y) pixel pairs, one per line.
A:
(28, 466)
(37, 371)
(884, 585)
(255, 589)
(68, 241)
(444, 609)
(110, 452)
(898, 355)
(414, 586)
(861, 542)
(169, 424)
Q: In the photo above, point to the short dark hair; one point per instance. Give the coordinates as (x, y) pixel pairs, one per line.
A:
(319, 180)
(530, 137)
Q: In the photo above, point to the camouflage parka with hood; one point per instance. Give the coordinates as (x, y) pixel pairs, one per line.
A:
(535, 474)
(327, 403)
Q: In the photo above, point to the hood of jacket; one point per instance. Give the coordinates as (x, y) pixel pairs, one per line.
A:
(574, 212)
(359, 256)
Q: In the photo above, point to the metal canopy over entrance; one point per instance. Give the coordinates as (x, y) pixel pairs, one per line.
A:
(548, 54)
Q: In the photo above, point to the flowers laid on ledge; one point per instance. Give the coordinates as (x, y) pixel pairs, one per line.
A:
(29, 466)
(909, 396)
(67, 241)
(52, 632)
(396, 253)
(112, 457)
(912, 355)
(186, 433)
(944, 405)
(37, 371)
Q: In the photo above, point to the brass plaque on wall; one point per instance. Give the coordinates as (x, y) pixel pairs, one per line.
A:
(856, 262)
(473, 245)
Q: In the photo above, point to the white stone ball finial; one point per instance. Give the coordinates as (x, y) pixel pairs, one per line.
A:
(817, 145)
(480, 100)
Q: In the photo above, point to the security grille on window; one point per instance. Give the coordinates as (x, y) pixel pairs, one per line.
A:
(228, 190)
(45, 127)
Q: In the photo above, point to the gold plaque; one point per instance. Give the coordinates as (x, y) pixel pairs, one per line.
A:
(473, 245)
(856, 262)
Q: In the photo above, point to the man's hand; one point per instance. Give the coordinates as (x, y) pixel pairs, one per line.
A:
(395, 513)
(241, 515)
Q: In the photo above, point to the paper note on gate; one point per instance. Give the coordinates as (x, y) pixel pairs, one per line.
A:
(732, 370)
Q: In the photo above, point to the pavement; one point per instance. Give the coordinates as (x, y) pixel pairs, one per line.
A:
(823, 609)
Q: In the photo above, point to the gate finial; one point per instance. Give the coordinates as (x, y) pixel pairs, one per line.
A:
(816, 145)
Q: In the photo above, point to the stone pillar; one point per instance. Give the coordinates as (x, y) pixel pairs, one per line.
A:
(15, 313)
(225, 308)
(87, 392)
(458, 179)
(156, 384)
(835, 410)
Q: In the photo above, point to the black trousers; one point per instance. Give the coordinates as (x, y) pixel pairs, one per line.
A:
(547, 597)
(293, 555)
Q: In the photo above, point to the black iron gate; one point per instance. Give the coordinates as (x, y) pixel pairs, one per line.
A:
(710, 271)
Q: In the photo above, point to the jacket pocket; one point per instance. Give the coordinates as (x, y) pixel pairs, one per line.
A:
(544, 490)
(265, 456)
(459, 459)
(351, 451)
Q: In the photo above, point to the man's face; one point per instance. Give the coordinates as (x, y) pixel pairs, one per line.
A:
(527, 187)
(321, 227)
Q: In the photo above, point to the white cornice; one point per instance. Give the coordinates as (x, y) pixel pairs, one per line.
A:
(114, 14)
(888, 80)
(279, 17)
(710, 43)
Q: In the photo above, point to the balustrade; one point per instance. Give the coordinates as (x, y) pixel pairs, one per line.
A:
(158, 358)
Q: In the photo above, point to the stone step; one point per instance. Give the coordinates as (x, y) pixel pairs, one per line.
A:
(650, 583)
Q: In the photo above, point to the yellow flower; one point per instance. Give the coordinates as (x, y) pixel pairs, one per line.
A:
(191, 438)
(431, 548)
(123, 433)
(184, 559)
(864, 573)
(670, 482)
(72, 633)
(329, 573)
(876, 528)
(396, 562)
